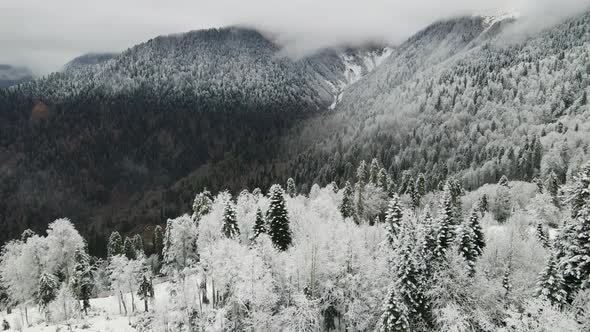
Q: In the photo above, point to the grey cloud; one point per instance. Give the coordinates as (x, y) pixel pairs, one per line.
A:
(46, 34)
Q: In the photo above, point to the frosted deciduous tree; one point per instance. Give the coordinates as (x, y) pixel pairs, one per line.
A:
(201, 205)
(180, 249)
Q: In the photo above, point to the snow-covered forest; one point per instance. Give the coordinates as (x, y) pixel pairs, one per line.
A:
(372, 255)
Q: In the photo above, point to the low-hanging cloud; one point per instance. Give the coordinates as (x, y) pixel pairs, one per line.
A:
(45, 34)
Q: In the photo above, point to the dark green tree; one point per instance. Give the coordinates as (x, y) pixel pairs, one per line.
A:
(478, 236)
(542, 235)
(395, 314)
(158, 241)
(291, 189)
(145, 291)
(259, 224)
(230, 222)
(347, 205)
(47, 290)
(115, 245)
(138, 245)
(129, 249)
(483, 204)
(393, 220)
(82, 278)
(278, 219)
(374, 172)
(444, 236)
(202, 205)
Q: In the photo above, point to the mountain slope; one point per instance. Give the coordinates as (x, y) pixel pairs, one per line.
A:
(10, 75)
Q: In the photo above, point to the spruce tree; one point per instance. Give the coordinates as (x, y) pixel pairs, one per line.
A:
(467, 247)
(129, 249)
(542, 235)
(347, 205)
(393, 220)
(428, 245)
(478, 236)
(395, 314)
(259, 224)
(145, 291)
(230, 223)
(291, 190)
(158, 241)
(483, 204)
(115, 245)
(421, 185)
(382, 181)
(82, 279)
(362, 172)
(409, 287)
(360, 204)
(374, 172)
(445, 232)
(138, 245)
(503, 181)
(334, 187)
(552, 185)
(550, 286)
(278, 219)
(47, 291)
(201, 205)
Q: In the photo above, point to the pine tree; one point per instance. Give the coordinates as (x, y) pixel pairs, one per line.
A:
(47, 291)
(478, 236)
(360, 204)
(395, 314)
(374, 172)
(145, 292)
(483, 205)
(158, 241)
(409, 288)
(362, 173)
(291, 190)
(138, 245)
(542, 235)
(259, 224)
(445, 233)
(503, 181)
(393, 220)
(201, 205)
(382, 180)
(550, 286)
(115, 245)
(82, 279)
(335, 187)
(278, 219)
(421, 185)
(428, 245)
(552, 185)
(230, 223)
(467, 247)
(129, 249)
(347, 205)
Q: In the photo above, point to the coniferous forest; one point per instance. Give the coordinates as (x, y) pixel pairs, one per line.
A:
(206, 181)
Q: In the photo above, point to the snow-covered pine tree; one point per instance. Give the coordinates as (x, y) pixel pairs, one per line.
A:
(415, 196)
(360, 204)
(409, 287)
(138, 245)
(230, 222)
(444, 235)
(115, 245)
(158, 241)
(334, 187)
(503, 203)
(382, 181)
(467, 247)
(550, 286)
(428, 243)
(374, 172)
(47, 291)
(259, 224)
(395, 314)
(129, 249)
(201, 205)
(347, 205)
(483, 205)
(145, 291)
(552, 185)
(393, 220)
(421, 185)
(278, 219)
(542, 235)
(291, 189)
(478, 236)
(82, 279)
(362, 173)
(503, 181)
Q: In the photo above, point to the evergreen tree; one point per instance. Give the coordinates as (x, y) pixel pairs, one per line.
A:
(362, 173)
(291, 189)
(409, 288)
(158, 241)
(347, 205)
(145, 292)
(259, 224)
(502, 204)
(503, 181)
(129, 249)
(393, 220)
(201, 205)
(47, 291)
(552, 185)
(414, 196)
(82, 279)
(421, 185)
(335, 187)
(27, 233)
(483, 204)
(374, 172)
(278, 219)
(467, 247)
(395, 315)
(445, 233)
(115, 245)
(382, 181)
(550, 286)
(230, 223)
(478, 236)
(138, 245)
(360, 205)
(542, 235)
(539, 184)
(428, 245)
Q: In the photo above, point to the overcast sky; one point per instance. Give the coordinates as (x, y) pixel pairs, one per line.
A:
(45, 34)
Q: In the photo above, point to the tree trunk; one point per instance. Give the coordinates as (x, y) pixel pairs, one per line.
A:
(145, 303)
(123, 300)
(26, 315)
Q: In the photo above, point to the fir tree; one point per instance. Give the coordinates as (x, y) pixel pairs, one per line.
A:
(382, 180)
(230, 222)
(428, 245)
(278, 219)
(478, 236)
(503, 181)
(47, 290)
(542, 235)
(334, 187)
(347, 205)
(483, 204)
(445, 233)
(158, 241)
(409, 288)
(115, 245)
(552, 185)
(129, 249)
(395, 314)
(82, 280)
(291, 190)
(374, 172)
(201, 205)
(467, 247)
(259, 224)
(550, 286)
(362, 172)
(138, 245)
(393, 220)
(145, 292)
(360, 205)
(421, 185)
